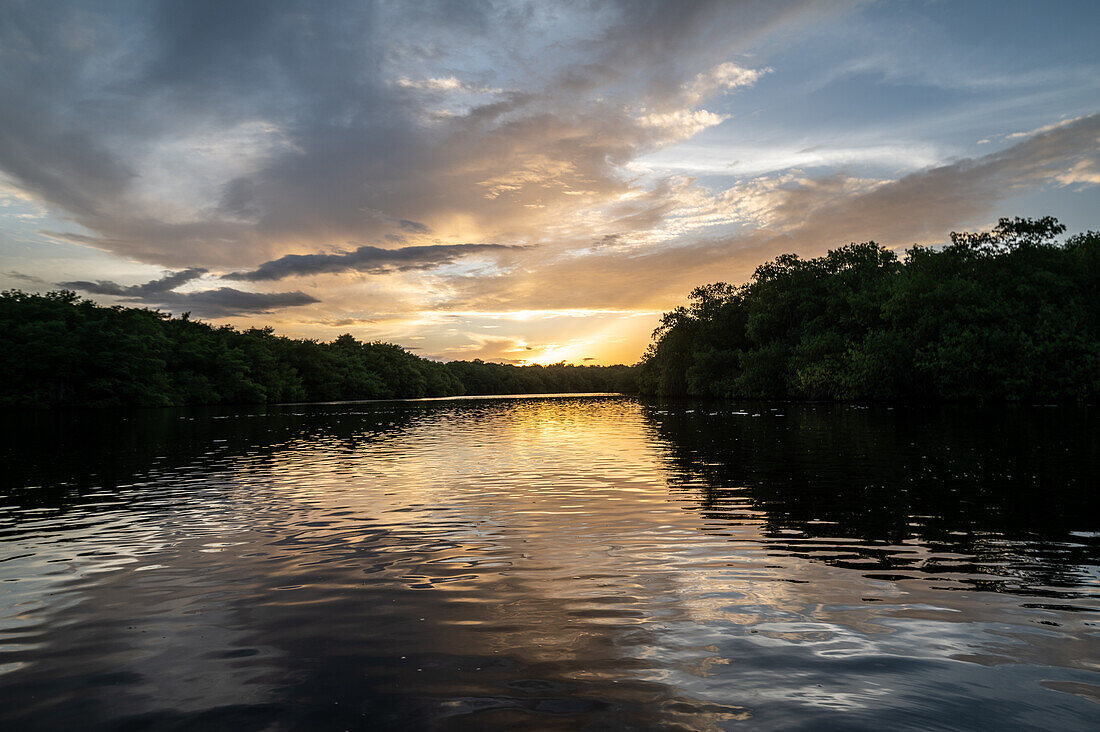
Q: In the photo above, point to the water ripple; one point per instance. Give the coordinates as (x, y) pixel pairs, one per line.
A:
(551, 563)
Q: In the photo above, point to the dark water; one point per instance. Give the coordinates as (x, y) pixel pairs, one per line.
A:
(551, 563)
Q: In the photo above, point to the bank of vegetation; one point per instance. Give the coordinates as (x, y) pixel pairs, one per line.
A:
(1009, 314)
(59, 350)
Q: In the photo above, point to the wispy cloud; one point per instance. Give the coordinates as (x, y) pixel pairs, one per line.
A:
(26, 278)
(446, 84)
(796, 213)
(723, 77)
(366, 259)
(217, 302)
(168, 282)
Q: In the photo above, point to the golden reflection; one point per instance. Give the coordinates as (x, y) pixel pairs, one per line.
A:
(501, 554)
(568, 509)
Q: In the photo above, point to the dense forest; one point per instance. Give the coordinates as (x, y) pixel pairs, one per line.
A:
(1002, 315)
(58, 350)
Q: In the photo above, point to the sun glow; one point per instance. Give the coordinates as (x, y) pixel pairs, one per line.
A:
(554, 353)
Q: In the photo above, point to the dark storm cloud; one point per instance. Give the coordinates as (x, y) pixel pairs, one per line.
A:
(218, 302)
(365, 259)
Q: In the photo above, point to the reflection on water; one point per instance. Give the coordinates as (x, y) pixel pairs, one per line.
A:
(585, 562)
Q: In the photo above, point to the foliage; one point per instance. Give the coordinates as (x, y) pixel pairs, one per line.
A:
(1006, 314)
(479, 377)
(57, 349)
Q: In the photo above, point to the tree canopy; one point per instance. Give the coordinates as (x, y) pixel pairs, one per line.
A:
(1005, 314)
(58, 350)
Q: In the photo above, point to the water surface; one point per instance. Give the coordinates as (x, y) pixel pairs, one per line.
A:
(551, 563)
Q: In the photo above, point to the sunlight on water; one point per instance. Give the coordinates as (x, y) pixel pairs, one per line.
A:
(551, 563)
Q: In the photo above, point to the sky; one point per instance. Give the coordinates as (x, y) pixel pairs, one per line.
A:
(524, 182)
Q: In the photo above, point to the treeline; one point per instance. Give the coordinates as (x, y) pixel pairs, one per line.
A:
(479, 377)
(58, 350)
(1002, 315)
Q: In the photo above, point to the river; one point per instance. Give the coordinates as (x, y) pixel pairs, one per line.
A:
(564, 562)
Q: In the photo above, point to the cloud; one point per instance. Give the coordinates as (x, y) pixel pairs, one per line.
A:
(1039, 130)
(445, 85)
(168, 282)
(21, 277)
(723, 77)
(791, 213)
(414, 226)
(1083, 172)
(492, 348)
(228, 302)
(682, 123)
(365, 259)
(218, 302)
(289, 128)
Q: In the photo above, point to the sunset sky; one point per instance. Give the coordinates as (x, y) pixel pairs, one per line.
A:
(523, 182)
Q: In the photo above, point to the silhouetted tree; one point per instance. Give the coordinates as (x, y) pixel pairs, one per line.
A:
(1004, 314)
(59, 350)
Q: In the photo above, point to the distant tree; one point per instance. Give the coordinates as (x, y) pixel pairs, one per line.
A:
(57, 349)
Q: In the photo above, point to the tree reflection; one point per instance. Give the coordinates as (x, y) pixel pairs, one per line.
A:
(1009, 490)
